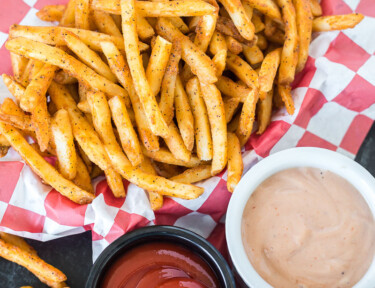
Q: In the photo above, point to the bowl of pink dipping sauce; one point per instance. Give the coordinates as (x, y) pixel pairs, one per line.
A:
(303, 218)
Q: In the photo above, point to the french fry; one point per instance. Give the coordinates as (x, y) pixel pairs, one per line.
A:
(286, 96)
(226, 26)
(158, 9)
(304, 20)
(115, 183)
(277, 38)
(219, 61)
(239, 17)
(68, 18)
(12, 114)
(315, 7)
(144, 29)
(261, 41)
(178, 23)
(245, 126)
(31, 69)
(257, 22)
(105, 23)
(193, 23)
(200, 64)
(242, 70)
(82, 13)
(168, 84)
(289, 53)
(96, 172)
(64, 78)
(233, 45)
(17, 241)
(266, 7)
(18, 65)
(235, 164)
(14, 87)
(86, 160)
(194, 174)
(128, 137)
(58, 57)
(154, 117)
(42, 168)
(202, 130)
(264, 112)
(184, 115)
(176, 145)
(4, 141)
(230, 105)
(157, 64)
(216, 116)
(62, 137)
(166, 170)
(51, 13)
(87, 56)
(253, 54)
(217, 43)
(268, 71)
(83, 179)
(336, 22)
(233, 125)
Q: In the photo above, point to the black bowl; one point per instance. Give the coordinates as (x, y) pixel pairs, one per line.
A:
(172, 234)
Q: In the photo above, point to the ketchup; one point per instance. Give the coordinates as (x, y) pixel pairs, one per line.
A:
(159, 265)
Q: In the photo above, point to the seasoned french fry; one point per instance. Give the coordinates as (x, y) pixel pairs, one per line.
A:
(82, 13)
(18, 65)
(83, 179)
(168, 84)
(51, 13)
(266, 7)
(31, 69)
(216, 116)
(89, 57)
(286, 96)
(242, 70)
(193, 23)
(264, 112)
(217, 43)
(43, 168)
(144, 29)
(200, 64)
(315, 7)
(253, 54)
(115, 183)
(158, 9)
(268, 70)
(233, 124)
(62, 137)
(219, 61)
(230, 105)
(245, 126)
(257, 21)
(128, 137)
(64, 78)
(105, 23)
(58, 57)
(233, 45)
(336, 22)
(96, 172)
(194, 174)
(289, 53)
(226, 26)
(277, 38)
(158, 63)
(17, 241)
(68, 18)
(14, 87)
(10, 113)
(178, 23)
(184, 115)
(239, 17)
(176, 145)
(235, 164)
(154, 117)
(202, 130)
(86, 160)
(261, 41)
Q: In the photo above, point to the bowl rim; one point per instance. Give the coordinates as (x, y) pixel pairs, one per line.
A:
(321, 158)
(164, 231)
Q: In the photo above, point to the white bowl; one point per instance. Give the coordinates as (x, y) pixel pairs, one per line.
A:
(358, 176)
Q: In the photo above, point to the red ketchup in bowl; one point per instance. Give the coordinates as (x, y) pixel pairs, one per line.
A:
(159, 265)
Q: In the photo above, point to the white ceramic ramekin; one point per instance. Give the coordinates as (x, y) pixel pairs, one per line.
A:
(358, 176)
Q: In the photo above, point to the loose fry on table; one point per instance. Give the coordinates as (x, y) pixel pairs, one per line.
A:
(266, 7)
(230, 105)
(62, 136)
(58, 57)
(64, 78)
(235, 164)
(200, 64)
(253, 54)
(17, 241)
(88, 57)
(167, 94)
(315, 7)
(216, 116)
(144, 29)
(184, 115)
(128, 137)
(233, 45)
(176, 145)
(286, 96)
(267, 72)
(157, 64)
(336, 22)
(105, 23)
(51, 13)
(151, 109)
(264, 112)
(195, 174)
(19, 64)
(68, 18)
(239, 18)
(158, 9)
(304, 20)
(83, 179)
(82, 13)
(203, 140)
(242, 70)
(289, 53)
(43, 168)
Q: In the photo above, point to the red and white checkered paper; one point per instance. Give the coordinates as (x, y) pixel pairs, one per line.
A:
(335, 108)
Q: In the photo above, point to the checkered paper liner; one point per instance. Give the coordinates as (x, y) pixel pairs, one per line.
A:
(335, 108)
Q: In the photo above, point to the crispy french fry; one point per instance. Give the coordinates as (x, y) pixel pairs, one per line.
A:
(18, 65)
(266, 7)
(289, 53)
(176, 145)
(154, 117)
(230, 105)
(219, 61)
(166, 170)
(200, 64)
(304, 20)
(268, 70)
(193, 23)
(194, 174)
(86, 160)
(286, 96)
(336, 22)
(233, 45)
(253, 54)
(14, 87)
(82, 14)
(242, 70)
(315, 7)
(62, 137)
(233, 124)
(202, 130)
(10, 113)
(217, 43)
(58, 57)
(43, 168)
(178, 23)
(258, 23)
(226, 26)
(105, 23)
(184, 115)
(216, 116)
(114, 181)
(68, 18)
(31, 69)
(17, 241)
(239, 17)
(245, 126)
(83, 179)
(51, 13)
(157, 64)
(264, 112)
(144, 29)
(89, 57)
(159, 9)
(64, 78)
(235, 163)
(128, 137)
(168, 84)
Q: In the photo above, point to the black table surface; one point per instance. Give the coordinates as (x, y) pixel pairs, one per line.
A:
(73, 254)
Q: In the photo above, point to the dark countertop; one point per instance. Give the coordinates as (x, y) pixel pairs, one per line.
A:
(73, 254)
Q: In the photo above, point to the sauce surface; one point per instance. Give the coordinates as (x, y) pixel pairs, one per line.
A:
(159, 265)
(308, 228)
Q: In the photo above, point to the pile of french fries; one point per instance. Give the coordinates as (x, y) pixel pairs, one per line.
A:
(17, 250)
(161, 93)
